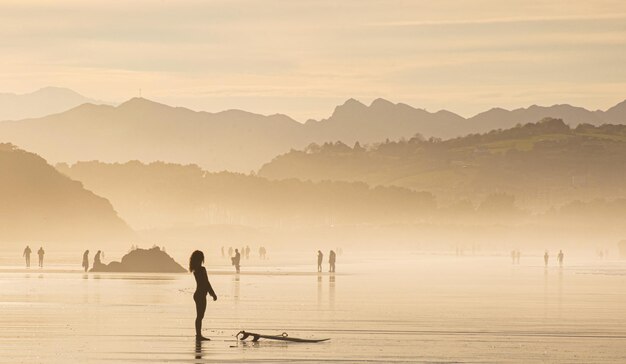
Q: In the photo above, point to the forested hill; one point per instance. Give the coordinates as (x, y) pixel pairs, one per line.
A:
(540, 163)
(41, 204)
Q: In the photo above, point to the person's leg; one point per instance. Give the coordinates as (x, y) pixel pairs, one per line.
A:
(200, 310)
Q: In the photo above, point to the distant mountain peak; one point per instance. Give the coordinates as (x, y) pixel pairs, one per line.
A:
(380, 103)
(351, 102)
(350, 107)
(142, 103)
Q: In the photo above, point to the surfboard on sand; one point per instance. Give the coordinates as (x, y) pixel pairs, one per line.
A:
(283, 337)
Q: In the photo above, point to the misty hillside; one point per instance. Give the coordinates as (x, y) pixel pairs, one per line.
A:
(45, 101)
(541, 163)
(41, 204)
(239, 141)
(170, 195)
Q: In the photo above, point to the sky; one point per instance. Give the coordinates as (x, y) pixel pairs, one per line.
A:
(302, 58)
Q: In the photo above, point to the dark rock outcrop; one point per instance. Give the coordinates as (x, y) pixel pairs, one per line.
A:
(152, 260)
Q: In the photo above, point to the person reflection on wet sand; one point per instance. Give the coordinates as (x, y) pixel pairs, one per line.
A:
(319, 289)
(331, 290)
(26, 255)
(198, 351)
(203, 287)
(86, 260)
(236, 288)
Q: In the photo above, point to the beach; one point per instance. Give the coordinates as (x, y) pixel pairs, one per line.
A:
(412, 308)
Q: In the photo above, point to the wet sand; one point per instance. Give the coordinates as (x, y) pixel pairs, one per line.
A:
(419, 309)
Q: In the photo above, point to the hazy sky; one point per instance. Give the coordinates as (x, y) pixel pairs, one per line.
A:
(304, 57)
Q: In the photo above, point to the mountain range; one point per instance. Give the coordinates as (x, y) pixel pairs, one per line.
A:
(45, 101)
(235, 140)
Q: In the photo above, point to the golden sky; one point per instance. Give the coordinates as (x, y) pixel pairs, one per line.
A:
(304, 57)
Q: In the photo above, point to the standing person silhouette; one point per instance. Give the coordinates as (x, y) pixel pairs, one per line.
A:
(26, 255)
(237, 260)
(320, 258)
(86, 260)
(40, 253)
(545, 258)
(97, 263)
(560, 258)
(203, 287)
(222, 252)
(248, 252)
(332, 257)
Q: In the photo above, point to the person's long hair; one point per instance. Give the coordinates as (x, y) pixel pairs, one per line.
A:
(196, 260)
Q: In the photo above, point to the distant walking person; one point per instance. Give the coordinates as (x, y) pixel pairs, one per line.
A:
(203, 287)
(332, 257)
(560, 258)
(222, 252)
(41, 253)
(26, 255)
(248, 252)
(86, 260)
(320, 258)
(545, 258)
(236, 260)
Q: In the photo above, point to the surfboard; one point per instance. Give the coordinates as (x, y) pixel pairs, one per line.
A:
(282, 337)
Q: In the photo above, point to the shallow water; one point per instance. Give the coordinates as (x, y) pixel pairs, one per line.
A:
(417, 309)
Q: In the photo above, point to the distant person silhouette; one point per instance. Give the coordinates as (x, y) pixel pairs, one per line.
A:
(545, 258)
(222, 252)
(236, 260)
(230, 251)
(332, 257)
(86, 260)
(41, 253)
(203, 287)
(260, 252)
(97, 262)
(320, 258)
(560, 258)
(248, 252)
(26, 255)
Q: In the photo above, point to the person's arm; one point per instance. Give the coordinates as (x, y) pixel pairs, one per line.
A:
(209, 287)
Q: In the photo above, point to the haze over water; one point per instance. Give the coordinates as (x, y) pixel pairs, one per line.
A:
(405, 307)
